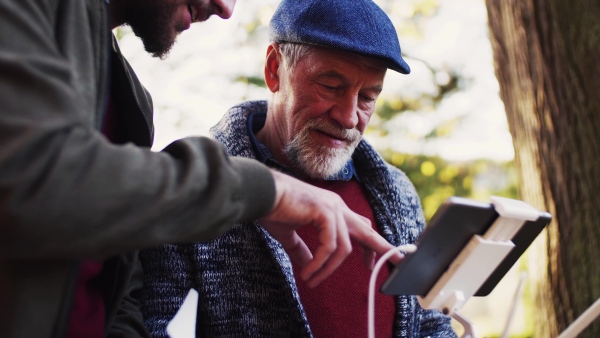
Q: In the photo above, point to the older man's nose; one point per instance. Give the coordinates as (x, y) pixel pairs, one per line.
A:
(346, 113)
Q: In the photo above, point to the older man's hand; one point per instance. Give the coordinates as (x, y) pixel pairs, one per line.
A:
(298, 204)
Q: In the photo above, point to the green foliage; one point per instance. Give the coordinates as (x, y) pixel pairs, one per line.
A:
(389, 107)
(437, 179)
(252, 80)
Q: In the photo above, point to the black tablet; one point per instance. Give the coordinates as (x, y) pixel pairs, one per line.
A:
(455, 222)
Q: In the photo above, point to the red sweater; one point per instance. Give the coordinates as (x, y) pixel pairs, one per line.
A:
(87, 313)
(338, 306)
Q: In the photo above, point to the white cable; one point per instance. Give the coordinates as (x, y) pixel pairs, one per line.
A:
(585, 319)
(407, 248)
(514, 303)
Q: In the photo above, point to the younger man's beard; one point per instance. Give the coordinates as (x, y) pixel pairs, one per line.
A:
(151, 21)
(317, 161)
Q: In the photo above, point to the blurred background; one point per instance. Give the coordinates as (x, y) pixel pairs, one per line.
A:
(444, 124)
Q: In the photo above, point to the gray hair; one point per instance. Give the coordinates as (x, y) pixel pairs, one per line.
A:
(292, 53)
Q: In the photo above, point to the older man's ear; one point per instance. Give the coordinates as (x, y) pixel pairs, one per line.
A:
(272, 67)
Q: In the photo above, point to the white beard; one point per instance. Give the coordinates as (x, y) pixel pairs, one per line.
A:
(317, 161)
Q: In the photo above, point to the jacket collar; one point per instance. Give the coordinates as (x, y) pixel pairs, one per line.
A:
(134, 109)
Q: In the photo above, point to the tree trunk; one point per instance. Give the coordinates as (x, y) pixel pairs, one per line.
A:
(547, 61)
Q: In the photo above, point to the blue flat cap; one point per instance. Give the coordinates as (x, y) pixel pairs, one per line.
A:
(352, 26)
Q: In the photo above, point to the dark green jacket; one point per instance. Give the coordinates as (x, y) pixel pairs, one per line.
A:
(67, 194)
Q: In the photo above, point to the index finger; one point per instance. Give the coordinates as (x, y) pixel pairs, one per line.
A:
(331, 253)
(360, 230)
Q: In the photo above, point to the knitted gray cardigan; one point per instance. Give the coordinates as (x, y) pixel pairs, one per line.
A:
(245, 279)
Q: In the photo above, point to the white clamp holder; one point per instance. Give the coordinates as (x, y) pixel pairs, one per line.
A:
(479, 258)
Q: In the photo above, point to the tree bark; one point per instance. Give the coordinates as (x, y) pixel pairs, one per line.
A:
(547, 62)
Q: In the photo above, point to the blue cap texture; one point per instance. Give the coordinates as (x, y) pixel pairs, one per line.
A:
(352, 26)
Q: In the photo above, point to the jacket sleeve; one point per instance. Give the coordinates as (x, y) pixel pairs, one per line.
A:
(66, 192)
(168, 277)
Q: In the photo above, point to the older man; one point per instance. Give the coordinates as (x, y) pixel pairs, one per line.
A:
(325, 68)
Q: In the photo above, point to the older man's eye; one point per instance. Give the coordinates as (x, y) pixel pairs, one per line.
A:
(368, 98)
(328, 87)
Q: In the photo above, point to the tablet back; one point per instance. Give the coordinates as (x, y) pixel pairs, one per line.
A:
(522, 239)
(450, 229)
